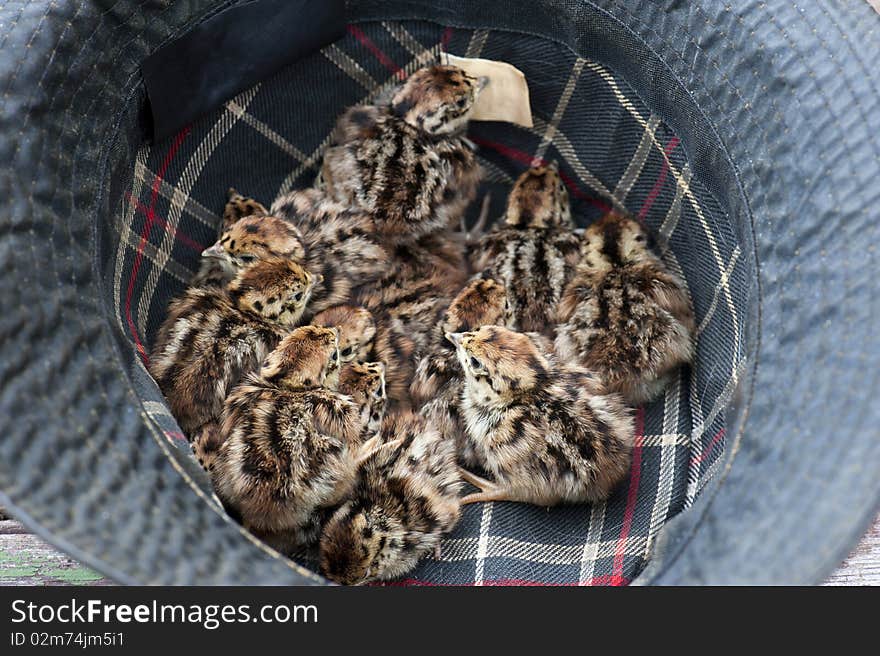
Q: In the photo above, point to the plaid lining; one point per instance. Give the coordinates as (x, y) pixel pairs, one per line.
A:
(612, 153)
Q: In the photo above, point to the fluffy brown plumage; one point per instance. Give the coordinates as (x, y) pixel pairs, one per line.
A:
(213, 271)
(289, 445)
(624, 314)
(356, 330)
(439, 380)
(483, 301)
(421, 282)
(408, 163)
(246, 241)
(239, 206)
(364, 382)
(405, 500)
(212, 337)
(547, 433)
(407, 303)
(341, 243)
(534, 250)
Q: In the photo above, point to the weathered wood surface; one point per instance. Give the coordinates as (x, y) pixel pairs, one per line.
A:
(27, 560)
(863, 565)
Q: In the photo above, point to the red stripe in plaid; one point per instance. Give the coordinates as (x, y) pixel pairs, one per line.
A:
(522, 156)
(377, 53)
(178, 235)
(488, 582)
(635, 475)
(611, 580)
(664, 171)
(145, 235)
(636, 468)
(696, 460)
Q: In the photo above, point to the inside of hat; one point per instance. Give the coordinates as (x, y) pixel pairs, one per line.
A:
(612, 152)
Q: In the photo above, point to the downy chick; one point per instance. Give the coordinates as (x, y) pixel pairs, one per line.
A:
(624, 314)
(250, 239)
(341, 243)
(289, 444)
(405, 500)
(356, 330)
(364, 382)
(212, 338)
(238, 207)
(214, 271)
(439, 380)
(408, 164)
(548, 434)
(534, 250)
(327, 238)
(408, 302)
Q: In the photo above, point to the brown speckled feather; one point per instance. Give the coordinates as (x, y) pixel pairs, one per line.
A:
(625, 314)
(533, 251)
(547, 433)
(212, 338)
(405, 163)
(439, 381)
(405, 500)
(289, 445)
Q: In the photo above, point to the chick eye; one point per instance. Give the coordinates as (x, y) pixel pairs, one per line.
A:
(298, 297)
(334, 356)
(476, 364)
(247, 258)
(462, 102)
(640, 238)
(346, 351)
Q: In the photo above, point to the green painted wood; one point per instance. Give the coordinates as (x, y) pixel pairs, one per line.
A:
(27, 560)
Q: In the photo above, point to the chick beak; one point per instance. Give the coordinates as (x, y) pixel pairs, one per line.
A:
(216, 251)
(554, 165)
(455, 338)
(482, 82)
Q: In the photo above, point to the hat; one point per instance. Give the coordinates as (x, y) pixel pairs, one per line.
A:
(745, 137)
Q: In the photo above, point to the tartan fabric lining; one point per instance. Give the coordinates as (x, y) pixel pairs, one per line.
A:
(612, 153)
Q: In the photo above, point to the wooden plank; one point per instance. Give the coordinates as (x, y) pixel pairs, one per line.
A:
(863, 565)
(27, 560)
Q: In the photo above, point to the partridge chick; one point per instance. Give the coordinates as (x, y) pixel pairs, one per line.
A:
(548, 434)
(327, 238)
(212, 337)
(408, 164)
(439, 380)
(341, 243)
(356, 330)
(238, 207)
(534, 250)
(213, 271)
(289, 445)
(624, 314)
(250, 239)
(407, 303)
(364, 382)
(405, 500)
